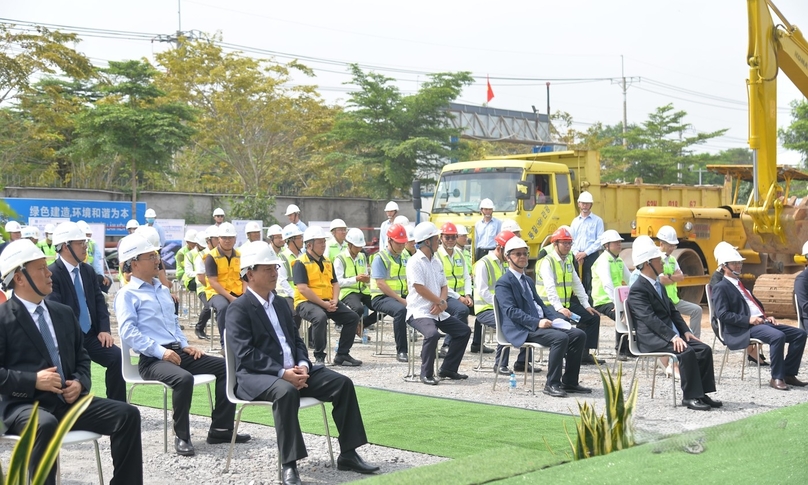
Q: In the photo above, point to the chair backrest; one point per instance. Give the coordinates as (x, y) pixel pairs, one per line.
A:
(620, 296)
(632, 332)
(709, 290)
(128, 369)
(501, 340)
(230, 371)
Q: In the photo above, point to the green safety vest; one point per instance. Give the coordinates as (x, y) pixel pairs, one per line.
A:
(353, 267)
(187, 277)
(599, 295)
(668, 268)
(288, 260)
(494, 268)
(467, 256)
(563, 271)
(455, 268)
(179, 265)
(334, 249)
(396, 275)
(49, 250)
(90, 252)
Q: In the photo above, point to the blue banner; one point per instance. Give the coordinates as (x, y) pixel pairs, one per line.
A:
(112, 214)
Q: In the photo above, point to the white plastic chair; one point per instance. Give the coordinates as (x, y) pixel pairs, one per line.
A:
(720, 335)
(305, 402)
(635, 349)
(620, 295)
(530, 346)
(131, 375)
(72, 437)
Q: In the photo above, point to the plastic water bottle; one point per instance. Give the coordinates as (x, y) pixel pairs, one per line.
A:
(575, 317)
(512, 383)
(365, 338)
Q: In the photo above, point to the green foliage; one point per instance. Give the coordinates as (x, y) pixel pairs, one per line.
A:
(258, 206)
(795, 137)
(20, 457)
(612, 431)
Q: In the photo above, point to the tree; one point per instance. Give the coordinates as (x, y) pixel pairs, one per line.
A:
(385, 138)
(795, 137)
(134, 122)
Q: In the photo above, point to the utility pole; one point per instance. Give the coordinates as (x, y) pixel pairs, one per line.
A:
(190, 35)
(624, 83)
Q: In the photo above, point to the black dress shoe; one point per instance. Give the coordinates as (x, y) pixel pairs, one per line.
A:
(290, 475)
(429, 381)
(402, 357)
(763, 362)
(200, 334)
(447, 374)
(589, 359)
(475, 349)
(503, 370)
(347, 361)
(575, 389)
(184, 448)
(216, 437)
(713, 403)
(554, 391)
(793, 381)
(517, 367)
(443, 351)
(696, 404)
(352, 461)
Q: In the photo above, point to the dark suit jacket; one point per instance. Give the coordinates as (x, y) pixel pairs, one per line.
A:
(514, 308)
(801, 290)
(23, 354)
(652, 316)
(64, 291)
(730, 307)
(259, 357)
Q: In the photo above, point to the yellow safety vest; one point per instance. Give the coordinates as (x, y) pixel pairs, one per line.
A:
(563, 279)
(319, 281)
(227, 273)
(599, 295)
(396, 274)
(455, 267)
(353, 267)
(494, 269)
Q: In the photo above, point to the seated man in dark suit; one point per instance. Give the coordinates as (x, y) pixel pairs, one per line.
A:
(75, 285)
(801, 290)
(33, 368)
(272, 364)
(526, 319)
(743, 317)
(660, 328)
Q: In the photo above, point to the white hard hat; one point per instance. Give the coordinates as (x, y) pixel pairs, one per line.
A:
(290, 231)
(410, 233)
(49, 228)
(13, 226)
(292, 209)
(132, 224)
(462, 230)
(218, 211)
(667, 234)
(643, 250)
(586, 198)
(337, 223)
(401, 220)
(610, 236)
(226, 229)
(313, 232)
(212, 231)
(150, 234)
(424, 231)
(66, 232)
(721, 247)
(14, 257)
(30, 232)
(274, 230)
(150, 213)
(133, 246)
(391, 206)
(486, 204)
(190, 236)
(252, 226)
(201, 239)
(356, 237)
(728, 254)
(85, 227)
(510, 225)
(256, 253)
(515, 243)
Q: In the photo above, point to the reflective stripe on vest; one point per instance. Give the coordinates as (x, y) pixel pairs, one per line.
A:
(90, 257)
(353, 267)
(334, 249)
(396, 275)
(494, 268)
(288, 259)
(227, 273)
(668, 268)
(455, 267)
(179, 262)
(319, 281)
(49, 250)
(599, 296)
(563, 279)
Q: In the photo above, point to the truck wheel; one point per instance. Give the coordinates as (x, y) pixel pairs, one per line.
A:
(691, 265)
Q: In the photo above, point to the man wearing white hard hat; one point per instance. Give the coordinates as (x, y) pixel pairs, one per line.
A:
(273, 365)
(317, 299)
(33, 368)
(672, 275)
(293, 213)
(337, 242)
(586, 230)
(151, 217)
(131, 225)
(75, 285)
(149, 326)
(182, 254)
(608, 273)
(390, 210)
(426, 308)
(660, 328)
(284, 285)
(210, 241)
(388, 285)
(46, 245)
(743, 318)
(14, 231)
(526, 319)
(252, 231)
(353, 275)
(462, 241)
(801, 292)
(218, 216)
(222, 273)
(31, 233)
(486, 229)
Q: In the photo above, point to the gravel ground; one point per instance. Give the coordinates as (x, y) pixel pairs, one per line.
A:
(256, 462)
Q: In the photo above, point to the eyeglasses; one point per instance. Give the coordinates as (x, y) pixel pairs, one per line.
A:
(565, 243)
(152, 257)
(81, 244)
(519, 254)
(449, 237)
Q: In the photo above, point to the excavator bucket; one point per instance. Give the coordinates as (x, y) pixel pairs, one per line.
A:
(787, 227)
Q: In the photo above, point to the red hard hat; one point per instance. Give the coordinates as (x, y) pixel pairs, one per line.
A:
(397, 233)
(448, 228)
(561, 234)
(503, 237)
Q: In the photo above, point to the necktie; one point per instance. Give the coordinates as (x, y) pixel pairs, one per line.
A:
(46, 336)
(750, 297)
(84, 313)
(658, 287)
(529, 296)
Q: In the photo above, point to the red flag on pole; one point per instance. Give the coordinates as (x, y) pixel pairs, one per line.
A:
(490, 95)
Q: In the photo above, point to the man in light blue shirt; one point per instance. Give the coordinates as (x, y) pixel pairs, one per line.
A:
(151, 217)
(145, 312)
(586, 230)
(486, 230)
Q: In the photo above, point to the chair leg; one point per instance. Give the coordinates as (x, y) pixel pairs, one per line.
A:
(378, 348)
(743, 362)
(165, 420)
(210, 397)
(58, 471)
(723, 361)
(98, 463)
(482, 346)
(675, 362)
(327, 435)
(532, 372)
(233, 439)
(634, 374)
(760, 351)
(653, 378)
(496, 371)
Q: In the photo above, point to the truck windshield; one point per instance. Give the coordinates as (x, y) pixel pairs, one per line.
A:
(462, 191)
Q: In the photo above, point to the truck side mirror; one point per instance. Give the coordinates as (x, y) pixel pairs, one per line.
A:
(416, 195)
(525, 190)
